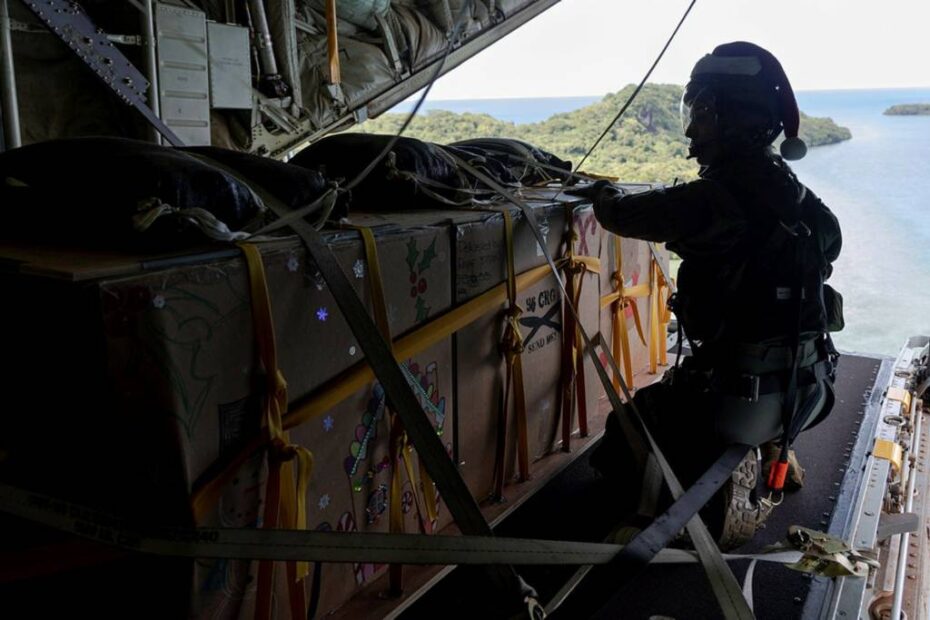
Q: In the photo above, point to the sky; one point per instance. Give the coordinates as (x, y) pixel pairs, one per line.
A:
(592, 47)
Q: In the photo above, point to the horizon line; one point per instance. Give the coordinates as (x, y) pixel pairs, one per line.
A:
(412, 98)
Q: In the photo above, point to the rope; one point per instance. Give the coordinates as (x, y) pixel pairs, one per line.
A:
(638, 89)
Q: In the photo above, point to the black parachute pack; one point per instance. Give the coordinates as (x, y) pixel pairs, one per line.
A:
(413, 175)
(117, 193)
(294, 186)
(491, 166)
(526, 163)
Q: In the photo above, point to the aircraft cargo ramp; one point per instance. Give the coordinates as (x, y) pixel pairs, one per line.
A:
(574, 506)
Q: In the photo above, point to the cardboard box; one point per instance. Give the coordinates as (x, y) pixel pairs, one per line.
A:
(162, 353)
(634, 264)
(164, 359)
(180, 346)
(480, 367)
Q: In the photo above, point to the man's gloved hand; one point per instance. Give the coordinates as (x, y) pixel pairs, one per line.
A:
(592, 191)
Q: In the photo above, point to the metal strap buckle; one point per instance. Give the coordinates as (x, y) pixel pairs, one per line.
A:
(749, 387)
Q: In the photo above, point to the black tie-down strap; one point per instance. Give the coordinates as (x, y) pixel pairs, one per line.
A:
(458, 498)
(723, 583)
(462, 506)
(605, 582)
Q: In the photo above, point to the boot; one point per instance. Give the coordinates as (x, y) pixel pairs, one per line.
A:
(742, 513)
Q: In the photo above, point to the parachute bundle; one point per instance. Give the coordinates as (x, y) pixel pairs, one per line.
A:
(526, 163)
(120, 193)
(413, 175)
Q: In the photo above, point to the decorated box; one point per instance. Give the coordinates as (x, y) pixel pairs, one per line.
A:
(633, 295)
(169, 368)
(481, 369)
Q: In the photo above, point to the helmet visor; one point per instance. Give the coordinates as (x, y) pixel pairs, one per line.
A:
(698, 105)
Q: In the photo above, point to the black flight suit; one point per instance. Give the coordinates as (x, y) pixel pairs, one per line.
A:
(736, 302)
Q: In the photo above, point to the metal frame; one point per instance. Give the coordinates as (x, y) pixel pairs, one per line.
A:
(151, 61)
(92, 46)
(910, 476)
(11, 129)
(281, 146)
(859, 507)
(850, 495)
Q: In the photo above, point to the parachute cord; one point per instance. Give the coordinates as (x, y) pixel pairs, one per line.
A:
(635, 92)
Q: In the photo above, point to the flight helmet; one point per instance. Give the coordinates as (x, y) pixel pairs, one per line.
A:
(740, 97)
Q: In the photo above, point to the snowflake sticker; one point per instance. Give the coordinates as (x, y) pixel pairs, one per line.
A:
(359, 269)
(328, 423)
(293, 264)
(322, 314)
(318, 281)
(158, 301)
(324, 502)
(353, 350)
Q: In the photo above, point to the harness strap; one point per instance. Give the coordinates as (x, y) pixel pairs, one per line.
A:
(752, 387)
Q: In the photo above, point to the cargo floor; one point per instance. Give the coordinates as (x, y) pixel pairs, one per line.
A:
(573, 507)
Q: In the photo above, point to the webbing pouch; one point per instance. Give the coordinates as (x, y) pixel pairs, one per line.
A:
(833, 304)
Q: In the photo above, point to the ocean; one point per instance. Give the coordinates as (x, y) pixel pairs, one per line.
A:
(877, 183)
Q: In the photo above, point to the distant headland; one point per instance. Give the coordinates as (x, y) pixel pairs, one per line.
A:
(909, 109)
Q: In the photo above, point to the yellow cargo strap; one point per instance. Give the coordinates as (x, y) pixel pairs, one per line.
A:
(573, 375)
(721, 578)
(399, 450)
(512, 348)
(461, 504)
(619, 300)
(285, 498)
(205, 496)
(659, 315)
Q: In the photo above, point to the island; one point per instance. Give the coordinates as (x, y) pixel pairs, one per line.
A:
(647, 145)
(909, 109)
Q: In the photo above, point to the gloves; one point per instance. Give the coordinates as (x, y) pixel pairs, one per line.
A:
(592, 191)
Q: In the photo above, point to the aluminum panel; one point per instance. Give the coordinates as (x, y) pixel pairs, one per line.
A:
(230, 67)
(183, 78)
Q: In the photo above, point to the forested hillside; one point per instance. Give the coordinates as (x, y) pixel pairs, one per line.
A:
(647, 144)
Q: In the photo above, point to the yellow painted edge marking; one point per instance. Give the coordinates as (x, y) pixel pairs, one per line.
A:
(889, 451)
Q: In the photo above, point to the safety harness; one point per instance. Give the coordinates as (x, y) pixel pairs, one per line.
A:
(795, 412)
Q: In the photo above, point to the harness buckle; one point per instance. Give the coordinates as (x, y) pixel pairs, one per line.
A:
(775, 498)
(749, 387)
(534, 610)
